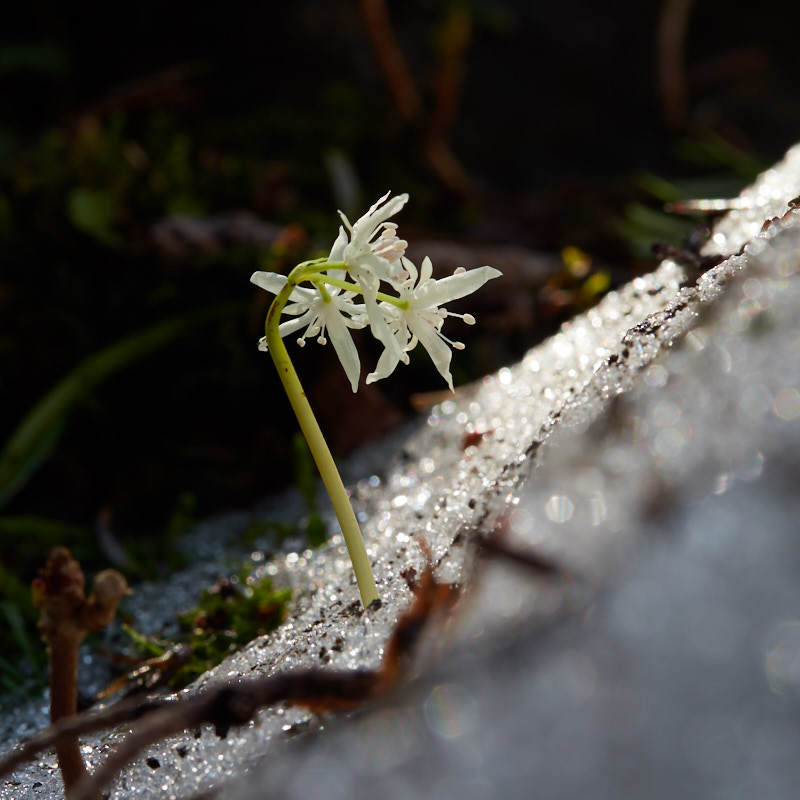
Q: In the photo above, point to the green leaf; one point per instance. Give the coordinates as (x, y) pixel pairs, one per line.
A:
(713, 150)
(44, 530)
(147, 646)
(42, 57)
(36, 436)
(316, 532)
(93, 211)
(641, 226)
(709, 186)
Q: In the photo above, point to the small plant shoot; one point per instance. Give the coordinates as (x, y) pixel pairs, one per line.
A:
(366, 282)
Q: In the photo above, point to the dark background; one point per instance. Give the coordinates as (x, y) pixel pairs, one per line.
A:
(153, 156)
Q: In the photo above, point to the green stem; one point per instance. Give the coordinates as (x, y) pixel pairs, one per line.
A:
(316, 441)
(318, 280)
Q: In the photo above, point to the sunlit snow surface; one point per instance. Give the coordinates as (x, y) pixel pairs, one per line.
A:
(663, 478)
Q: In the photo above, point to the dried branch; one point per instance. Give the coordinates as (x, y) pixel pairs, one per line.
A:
(671, 38)
(429, 596)
(70, 728)
(168, 88)
(496, 545)
(390, 59)
(535, 562)
(454, 40)
(228, 705)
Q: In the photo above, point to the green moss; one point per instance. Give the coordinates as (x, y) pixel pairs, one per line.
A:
(228, 615)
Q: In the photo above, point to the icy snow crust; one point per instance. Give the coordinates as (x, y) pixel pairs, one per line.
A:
(628, 435)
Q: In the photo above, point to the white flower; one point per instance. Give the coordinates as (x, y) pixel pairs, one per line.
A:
(372, 249)
(421, 321)
(318, 315)
(372, 252)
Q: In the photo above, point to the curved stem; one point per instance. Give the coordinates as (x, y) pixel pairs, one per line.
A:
(316, 441)
(318, 280)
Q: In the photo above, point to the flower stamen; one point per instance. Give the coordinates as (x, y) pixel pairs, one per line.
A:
(467, 319)
(455, 345)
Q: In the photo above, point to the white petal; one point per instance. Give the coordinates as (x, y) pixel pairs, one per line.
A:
(365, 227)
(302, 294)
(365, 278)
(337, 251)
(437, 293)
(389, 210)
(426, 270)
(387, 364)
(377, 203)
(438, 351)
(343, 344)
(271, 281)
(350, 308)
(345, 221)
(293, 309)
(378, 325)
(382, 269)
(292, 325)
(408, 266)
(274, 282)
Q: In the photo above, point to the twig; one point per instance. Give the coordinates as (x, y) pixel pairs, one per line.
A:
(454, 41)
(429, 596)
(446, 166)
(671, 38)
(170, 87)
(390, 58)
(70, 728)
(496, 545)
(531, 560)
(227, 706)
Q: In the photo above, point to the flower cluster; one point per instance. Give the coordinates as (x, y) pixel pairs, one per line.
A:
(372, 256)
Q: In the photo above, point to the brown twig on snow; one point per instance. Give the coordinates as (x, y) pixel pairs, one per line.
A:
(67, 616)
(223, 706)
(429, 597)
(69, 728)
(319, 690)
(530, 559)
(496, 545)
(228, 705)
